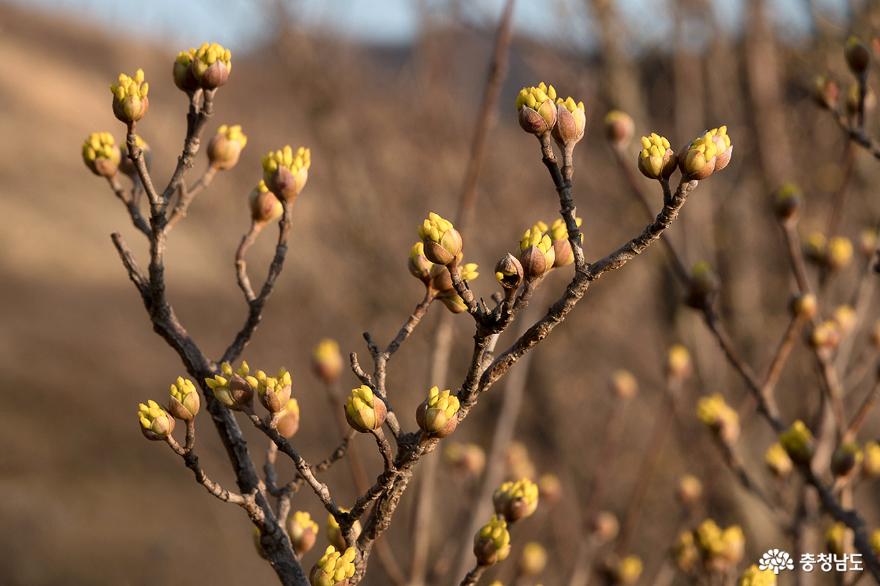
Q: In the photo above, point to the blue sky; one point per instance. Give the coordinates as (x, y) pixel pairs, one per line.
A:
(238, 23)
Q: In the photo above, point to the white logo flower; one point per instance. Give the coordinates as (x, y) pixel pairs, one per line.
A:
(776, 560)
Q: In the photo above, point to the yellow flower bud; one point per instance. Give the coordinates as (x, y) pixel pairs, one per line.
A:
(816, 248)
(364, 411)
(624, 384)
(303, 532)
(571, 121)
(286, 171)
(130, 101)
(755, 577)
(604, 527)
(509, 272)
(334, 531)
(492, 542)
(438, 414)
(418, 264)
(288, 421)
(235, 389)
(156, 423)
(656, 159)
(846, 459)
(720, 417)
(184, 399)
(537, 254)
(787, 201)
(825, 335)
(516, 500)
(706, 154)
(857, 55)
(777, 460)
(875, 541)
(453, 302)
(798, 442)
(265, 207)
(536, 108)
(225, 147)
(468, 459)
(563, 254)
(442, 242)
(327, 361)
(549, 488)
(334, 568)
(840, 252)
(721, 549)
(871, 465)
(182, 72)
(804, 305)
(678, 362)
(619, 128)
(689, 490)
(835, 538)
(211, 65)
(845, 318)
(101, 155)
(274, 391)
(628, 570)
(533, 560)
(684, 552)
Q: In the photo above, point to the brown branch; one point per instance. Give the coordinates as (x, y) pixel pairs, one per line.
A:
(244, 282)
(130, 203)
(858, 419)
(473, 576)
(188, 194)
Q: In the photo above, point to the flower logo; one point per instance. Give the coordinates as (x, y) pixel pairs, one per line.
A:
(776, 560)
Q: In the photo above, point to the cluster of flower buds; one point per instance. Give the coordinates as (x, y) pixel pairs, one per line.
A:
(833, 253)
(515, 500)
(234, 388)
(787, 202)
(438, 414)
(537, 254)
(777, 460)
(857, 54)
(719, 417)
(706, 154)
(467, 459)
(537, 109)
(224, 148)
(303, 532)
(101, 155)
(720, 549)
(286, 171)
(622, 571)
(868, 242)
(327, 361)
(183, 402)
(825, 336)
(619, 129)
(533, 560)
(562, 251)
(509, 272)
(364, 411)
(287, 422)
(518, 461)
(804, 306)
(334, 568)
(441, 242)
(274, 391)
(130, 101)
(656, 159)
(207, 67)
(571, 122)
(334, 531)
(685, 553)
(754, 576)
(265, 207)
(492, 542)
(798, 442)
(156, 423)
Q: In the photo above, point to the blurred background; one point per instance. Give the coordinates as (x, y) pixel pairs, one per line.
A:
(386, 94)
